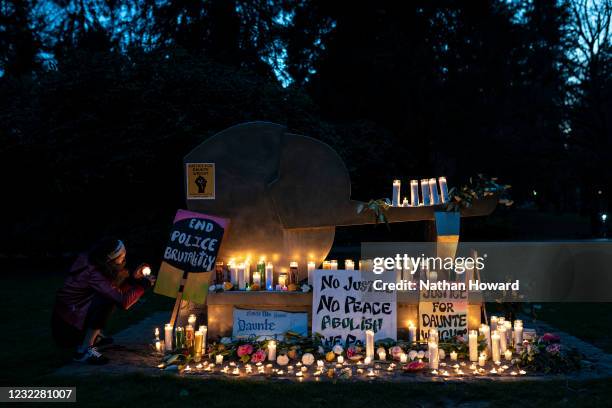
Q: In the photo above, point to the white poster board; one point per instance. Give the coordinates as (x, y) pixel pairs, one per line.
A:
(262, 324)
(344, 306)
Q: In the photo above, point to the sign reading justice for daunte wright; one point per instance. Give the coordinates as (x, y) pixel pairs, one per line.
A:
(344, 306)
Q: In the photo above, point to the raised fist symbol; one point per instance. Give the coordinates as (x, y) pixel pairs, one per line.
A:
(201, 183)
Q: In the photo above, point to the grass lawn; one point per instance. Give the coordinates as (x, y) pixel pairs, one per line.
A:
(29, 357)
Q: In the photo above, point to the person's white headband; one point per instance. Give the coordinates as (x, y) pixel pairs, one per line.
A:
(117, 252)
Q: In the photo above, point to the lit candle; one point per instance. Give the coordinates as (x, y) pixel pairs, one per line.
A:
(247, 273)
(311, 269)
(508, 354)
(486, 332)
(367, 360)
(425, 192)
(473, 343)
(269, 276)
(369, 344)
(433, 355)
(146, 271)
(219, 359)
(433, 189)
(508, 326)
(403, 358)
(326, 265)
(282, 280)
(241, 276)
(405, 202)
(204, 330)
(382, 355)
(168, 337)
(157, 333)
(453, 355)
(482, 359)
(158, 346)
(197, 345)
(349, 265)
(189, 330)
(495, 347)
(414, 193)
(433, 335)
(518, 334)
(340, 359)
(502, 339)
(293, 272)
(272, 350)
(443, 189)
(192, 319)
(396, 193)
(257, 278)
(493, 322)
(411, 332)
(333, 265)
(233, 272)
(179, 337)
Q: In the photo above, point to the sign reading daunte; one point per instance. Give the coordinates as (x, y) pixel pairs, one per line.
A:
(194, 241)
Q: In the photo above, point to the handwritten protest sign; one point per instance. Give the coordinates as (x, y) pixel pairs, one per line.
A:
(445, 310)
(344, 306)
(268, 323)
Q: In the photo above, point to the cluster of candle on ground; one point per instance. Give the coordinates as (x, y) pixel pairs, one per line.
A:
(430, 195)
(501, 335)
(183, 338)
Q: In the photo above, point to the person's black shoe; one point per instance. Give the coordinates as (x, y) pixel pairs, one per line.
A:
(90, 356)
(102, 341)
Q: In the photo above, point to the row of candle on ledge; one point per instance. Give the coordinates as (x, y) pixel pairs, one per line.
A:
(429, 193)
(239, 273)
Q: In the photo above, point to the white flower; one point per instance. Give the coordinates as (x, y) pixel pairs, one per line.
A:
(412, 354)
(421, 354)
(338, 349)
(308, 359)
(225, 340)
(441, 354)
(282, 360)
(381, 350)
(305, 288)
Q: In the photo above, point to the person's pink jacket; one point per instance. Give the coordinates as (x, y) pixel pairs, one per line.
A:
(80, 287)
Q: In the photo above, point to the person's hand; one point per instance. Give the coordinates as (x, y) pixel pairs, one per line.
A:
(152, 279)
(138, 273)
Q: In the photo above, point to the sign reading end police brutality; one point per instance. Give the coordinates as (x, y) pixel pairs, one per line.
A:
(194, 241)
(344, 306)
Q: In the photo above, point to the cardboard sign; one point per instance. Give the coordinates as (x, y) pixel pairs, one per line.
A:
(263, 324)
(344, 306)
(194, 241)
(445, 310)
(200, 180)
(192, 247)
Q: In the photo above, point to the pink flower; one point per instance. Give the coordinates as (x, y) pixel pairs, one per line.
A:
(414, 366)
(553, 348)
(245, 349)
(550, 338)
(351, 351)
(258, 356)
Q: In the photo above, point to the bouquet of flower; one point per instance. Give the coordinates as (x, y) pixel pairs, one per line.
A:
(548, 355)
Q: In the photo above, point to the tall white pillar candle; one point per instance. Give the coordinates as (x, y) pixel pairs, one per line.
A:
(493, 322)
(433, 190)
(168, 337)
(257, 278)
(269, 276)
(396, 193)
(434, 357)
(503, 340)
(241, 277)
(495, 347)
(349, 265)
(233, 274)
(370, 344)
(518, 334)
(486, 332)
(443, 189)
(473, 344)
(508, 326)
(433, 336)
(311, 268)
(414, 193)
(426, 196)
(411, 332)
(272, 350)
(247, 273)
